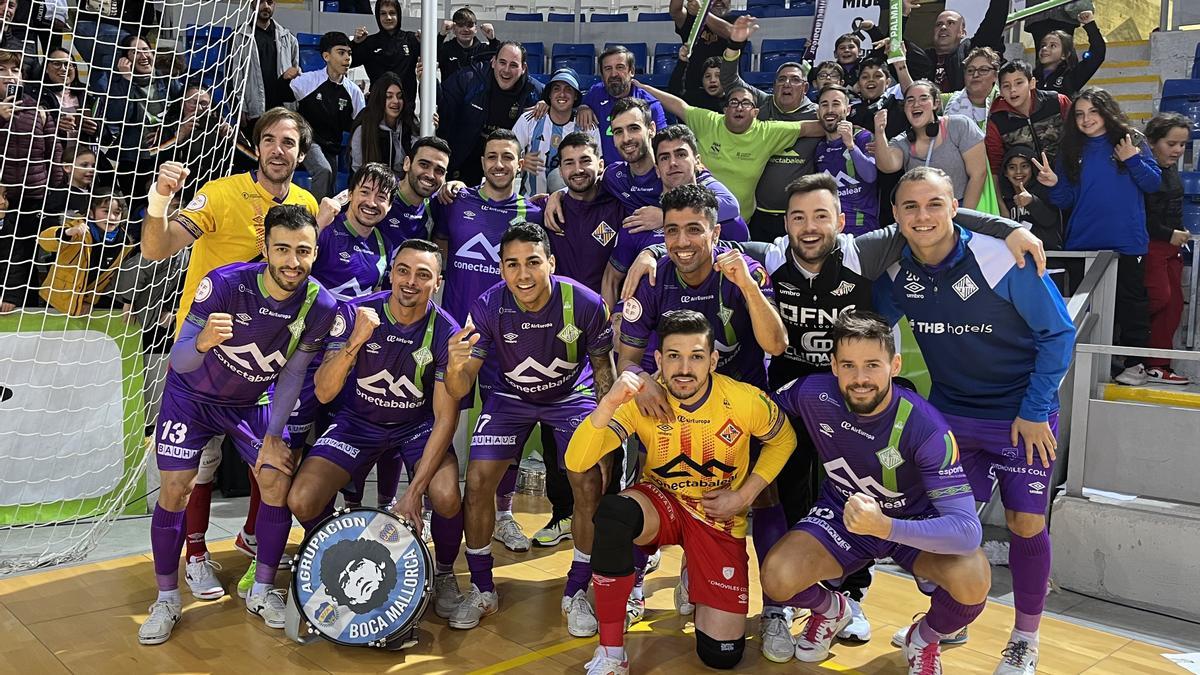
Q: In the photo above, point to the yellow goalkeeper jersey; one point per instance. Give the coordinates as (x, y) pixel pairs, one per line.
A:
(706, 448)
(226, 218)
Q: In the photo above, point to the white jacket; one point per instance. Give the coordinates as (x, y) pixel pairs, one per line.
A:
(287, 54)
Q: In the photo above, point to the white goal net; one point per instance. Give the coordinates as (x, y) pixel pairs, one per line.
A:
(94, 96)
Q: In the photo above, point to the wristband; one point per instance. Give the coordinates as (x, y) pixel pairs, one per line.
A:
(635, 369)
(737, 46)
(157, 203)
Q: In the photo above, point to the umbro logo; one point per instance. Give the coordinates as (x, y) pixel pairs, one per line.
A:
(789, 287)
(826, 429)
(510, 338)
(1037, 488)
(243, 318)
(672, 469)
(373, 347)
(913, 285)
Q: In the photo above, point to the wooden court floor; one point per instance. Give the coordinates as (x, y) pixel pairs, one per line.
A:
(84, 619)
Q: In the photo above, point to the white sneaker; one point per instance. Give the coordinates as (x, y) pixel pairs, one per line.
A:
(959, 638)
(653, 561)
(447, 594)
(776, 636)
(926, 660)
(682, 605)
(200, 578)
(635, 611)
(603, 664)
(859, 629)
(1164, 375)
(157, 627)
(507, 532)
(1134, 376)
(581, 619)
(812, 645)
(475, 605)
(1020, 657)
(554, 533)
(271, 605)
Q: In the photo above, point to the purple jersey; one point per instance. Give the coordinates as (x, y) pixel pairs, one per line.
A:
(859, 197)
(542, 356)
(720, 301)
(265, 333)
(392, 380)
(602, 104)
(473, 225)
(905, 457)
(348, 265)
(589, 236)
(404, 221)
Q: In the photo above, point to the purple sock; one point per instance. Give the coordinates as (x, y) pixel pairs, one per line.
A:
(770, 524)
(816, 597)
(946, 615)
(166, 542)
(506, 488)
(308, 525)
(1029, 560)
(640, 559)
(387, 479)
(272, 530)
(447, 535)
(480, 565)
(578, 577)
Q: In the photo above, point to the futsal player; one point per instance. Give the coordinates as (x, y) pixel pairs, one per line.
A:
(997, 339)
(384, 363)
(250, 325)
(550, 340)
(699, 481)
(893, 488)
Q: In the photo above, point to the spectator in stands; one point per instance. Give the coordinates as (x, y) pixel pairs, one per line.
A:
(617, 66)
(274, 62)
(62, 95)
(951, 44)
(133, 110)
(1059, 66)
(481, 99)
(712, 97)
(712, 41)
(1024, 115)
(975, 99)
(539, 136)
(74, 197)
(462, 46)
(1168, 135)
(736, 146)
(1103, 172)
(1028, 201)
(89, 252)
(47, 21)
(952, 143)
(822, 75)
(330, 102)
(392, 49)
(847, 51)
(384, 130)
(196, 137)
(28, 152)
(842, 154)
(877, 91)
(8, 36)
(101, 27)
(788, 103)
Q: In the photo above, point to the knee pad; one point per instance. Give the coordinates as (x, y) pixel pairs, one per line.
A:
(719, 654)
(210, 459)
(618, 522)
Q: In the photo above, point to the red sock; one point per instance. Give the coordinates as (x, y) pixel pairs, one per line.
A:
(252, 512)
(611, 595)
(196, 521)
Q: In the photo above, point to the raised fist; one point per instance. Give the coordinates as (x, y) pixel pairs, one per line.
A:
(171, 176)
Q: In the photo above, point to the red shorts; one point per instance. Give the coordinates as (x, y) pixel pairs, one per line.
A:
(718, 567)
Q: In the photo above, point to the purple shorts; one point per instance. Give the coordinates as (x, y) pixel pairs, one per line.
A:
(302, 420)
(185, 426)
(987, 454)
(852, 551)
(505, 423)
(356, 445)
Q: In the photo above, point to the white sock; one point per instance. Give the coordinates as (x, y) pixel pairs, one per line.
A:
(614, 652)
(580, 556)
(486, 550)
(259, 588)
(637, 593)
(170, 597)
(1031, 638)
(501, 515)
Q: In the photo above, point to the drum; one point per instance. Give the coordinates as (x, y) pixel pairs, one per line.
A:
(363, 578)
(531, 478)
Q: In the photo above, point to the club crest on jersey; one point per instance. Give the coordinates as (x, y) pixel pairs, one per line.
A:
(603, 233)
(198, 202)
(843, 288)
(296, 327)
(569, 333)
(964, 287)
(204, 289)
(632, 310)
(725, 314)
(730, 433)
(422, 356)
(339, 326)
(727, 572)
(889, 458)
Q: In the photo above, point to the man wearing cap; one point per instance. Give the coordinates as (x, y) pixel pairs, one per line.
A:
(617, 66)
(539, 136)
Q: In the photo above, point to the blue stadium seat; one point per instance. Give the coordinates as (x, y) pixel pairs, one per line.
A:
(794, 10)
(657, 80)
(1183, 97)
(769, 63)
(611, 18)
(580, 57)
(331, 6)
(641, 54)
(309, 40)
(311, 59)
(523, 16)
(544, 78)
(556, 17)
(535, 56)
(755, 6)
(1191, 201)
(762, 80)
(745, 65)
(654, 16)
(784, 45)
(665, 56)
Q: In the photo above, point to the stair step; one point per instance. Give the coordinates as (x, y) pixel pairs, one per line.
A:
(1126, 79)
(1179, 397)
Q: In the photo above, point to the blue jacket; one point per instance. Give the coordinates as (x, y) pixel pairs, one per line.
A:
(996, 337)
(462, 111)
(1109, 210)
